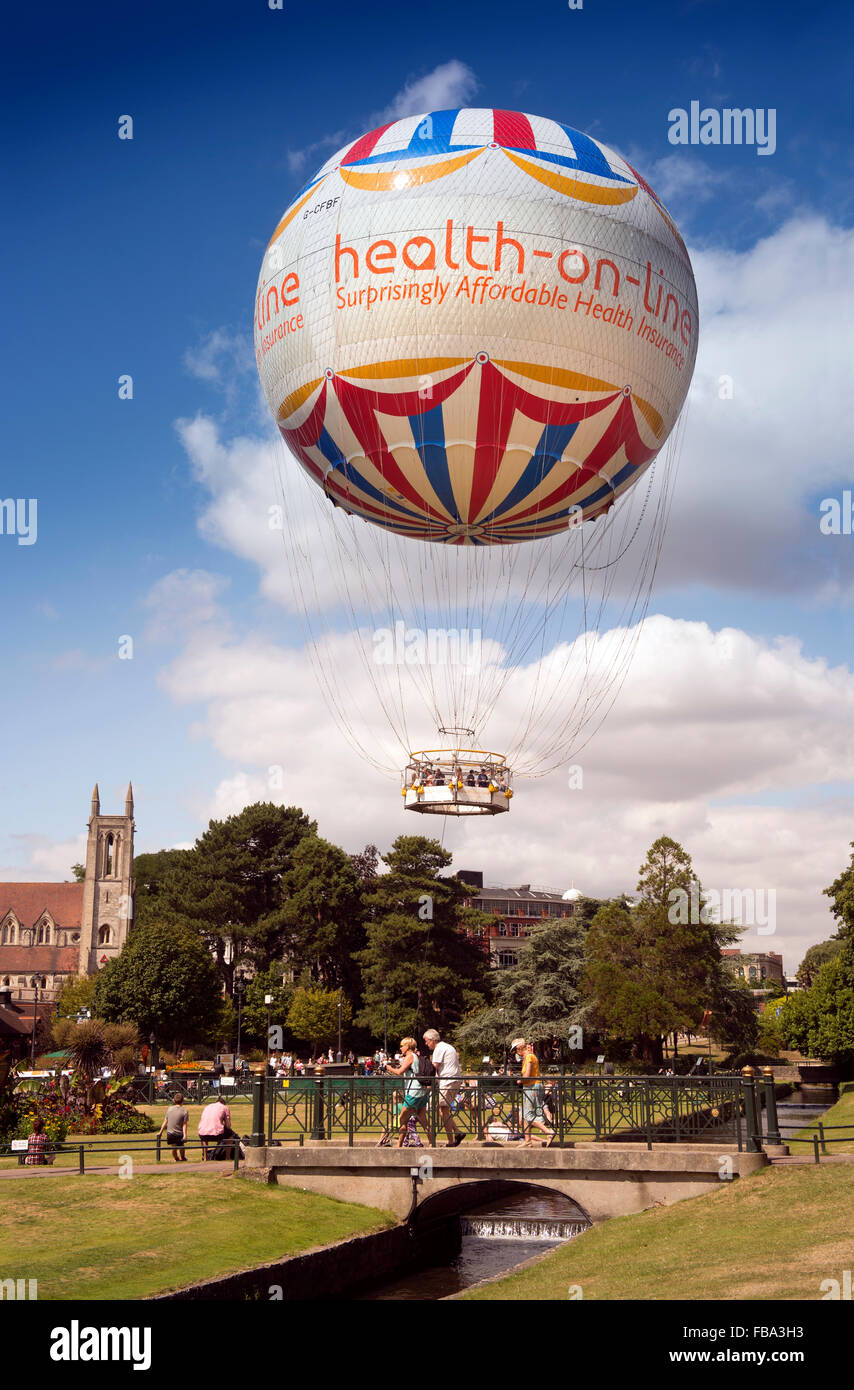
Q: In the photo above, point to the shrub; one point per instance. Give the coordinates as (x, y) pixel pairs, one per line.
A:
(123, 1119)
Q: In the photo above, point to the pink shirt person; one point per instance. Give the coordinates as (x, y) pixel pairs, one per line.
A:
(216, 1117)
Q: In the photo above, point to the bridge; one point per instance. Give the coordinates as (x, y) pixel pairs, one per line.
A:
(602, 1179)
(621, 1144)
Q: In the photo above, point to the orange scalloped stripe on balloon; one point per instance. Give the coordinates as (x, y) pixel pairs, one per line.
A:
(292, 211)
(557, 376)
(296, 399)
(380, 181)
(650, 414)
(574, 188)
(404, 367)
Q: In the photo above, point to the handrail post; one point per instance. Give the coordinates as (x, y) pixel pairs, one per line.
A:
(773, 1136)
(736, 1105)
(434, 1089)
(823, 1141)
(257, 1136)
(597, 1108)
(270, 1084)
(561, 1106)
(82, 1162)
(317, 1124)
(815, 1148)
(647, 1091)
(754, 1135)
(351, 1119)
(157, 1147)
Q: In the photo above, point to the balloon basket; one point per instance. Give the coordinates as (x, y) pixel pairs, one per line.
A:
(457, 782)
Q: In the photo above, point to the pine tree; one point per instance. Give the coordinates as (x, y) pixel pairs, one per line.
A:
(323, 912)
(419, 967)
(229, 887)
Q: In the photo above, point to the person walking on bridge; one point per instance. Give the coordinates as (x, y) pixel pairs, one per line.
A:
(416, 1092)
(446, 1060)
(533, 1093)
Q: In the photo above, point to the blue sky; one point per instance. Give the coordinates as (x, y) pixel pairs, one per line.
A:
(127, 256)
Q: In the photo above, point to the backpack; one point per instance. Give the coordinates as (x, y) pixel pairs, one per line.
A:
(426, 1070)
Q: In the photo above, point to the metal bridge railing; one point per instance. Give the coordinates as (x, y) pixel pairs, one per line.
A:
(353, 1109)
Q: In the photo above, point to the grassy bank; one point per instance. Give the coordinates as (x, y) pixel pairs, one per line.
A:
(102, 1237)
(777, 1234)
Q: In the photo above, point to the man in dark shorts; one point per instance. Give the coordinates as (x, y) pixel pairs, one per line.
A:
(175, 1124)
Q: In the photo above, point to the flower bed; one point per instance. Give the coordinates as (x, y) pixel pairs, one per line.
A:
(65, 1114)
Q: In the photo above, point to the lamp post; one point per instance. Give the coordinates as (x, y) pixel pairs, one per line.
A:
(385, 1021)
(504, 1037)
(338, 1056)
(268, 1000)
(35, 984)
(239, 988)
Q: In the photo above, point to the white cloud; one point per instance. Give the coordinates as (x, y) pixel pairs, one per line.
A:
(183, 602)
(220, 357)
(40, 859)
(449, 85)
(776, 324)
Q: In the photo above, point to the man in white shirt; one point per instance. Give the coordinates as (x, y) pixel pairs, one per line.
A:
(446, 1061)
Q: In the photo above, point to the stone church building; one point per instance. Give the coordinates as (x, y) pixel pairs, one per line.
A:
(50, 932)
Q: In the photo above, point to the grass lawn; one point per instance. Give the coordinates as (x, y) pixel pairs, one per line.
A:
(776, 1234)
(103, 1237)
(842, 1113)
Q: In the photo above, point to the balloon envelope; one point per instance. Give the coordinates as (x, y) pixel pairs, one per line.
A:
(475, 327)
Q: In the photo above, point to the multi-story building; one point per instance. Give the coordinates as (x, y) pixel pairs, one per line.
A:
(760, 970)
(50, 932)
(517, 912)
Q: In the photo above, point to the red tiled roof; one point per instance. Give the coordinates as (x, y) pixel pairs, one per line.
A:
(46, 960)
(64, 902)
(11, 1022)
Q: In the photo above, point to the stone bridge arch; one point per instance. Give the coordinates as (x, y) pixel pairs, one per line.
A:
(465, 1196)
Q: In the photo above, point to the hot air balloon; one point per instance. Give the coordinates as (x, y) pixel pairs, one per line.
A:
(476, 330)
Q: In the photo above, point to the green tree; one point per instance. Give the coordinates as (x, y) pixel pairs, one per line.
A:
(819, 1022)
(653, 969)
(540, 997)
(79, 872)
(323, 914)
(841, 891)
(419, 962)
(313, 1016)
(817, 956)
(76, 994)
(733, 1020)
(152, 873)
(254, 1020)
(165, 982)
(229, 887)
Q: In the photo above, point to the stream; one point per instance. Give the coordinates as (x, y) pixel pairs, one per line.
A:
(496, 1237)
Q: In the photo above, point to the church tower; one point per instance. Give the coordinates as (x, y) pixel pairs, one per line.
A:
(107, 913)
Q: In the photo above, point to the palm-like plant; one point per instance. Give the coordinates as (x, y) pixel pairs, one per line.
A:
(89, 1054)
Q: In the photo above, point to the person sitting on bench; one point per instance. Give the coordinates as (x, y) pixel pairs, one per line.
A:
(215, 1128)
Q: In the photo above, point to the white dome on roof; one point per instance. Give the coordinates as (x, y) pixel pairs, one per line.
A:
(572, 895)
